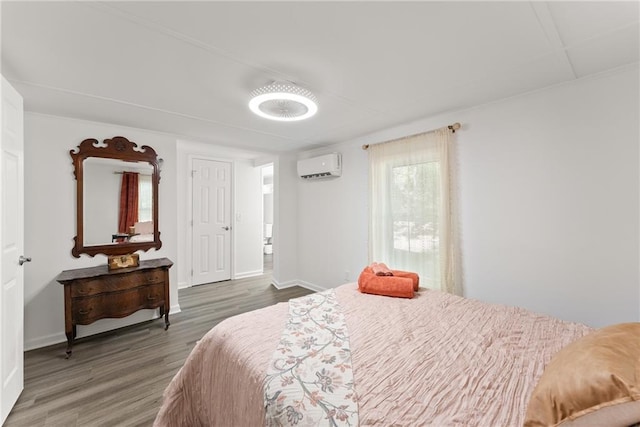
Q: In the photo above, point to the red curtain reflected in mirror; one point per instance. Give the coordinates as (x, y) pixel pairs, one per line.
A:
(128, 214)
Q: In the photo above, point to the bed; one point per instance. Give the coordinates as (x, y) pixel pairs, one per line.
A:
(436, 359)
(142, 232)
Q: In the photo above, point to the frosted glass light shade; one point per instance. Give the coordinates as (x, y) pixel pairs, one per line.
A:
(283, 102)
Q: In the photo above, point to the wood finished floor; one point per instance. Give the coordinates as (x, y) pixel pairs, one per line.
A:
(117, 378)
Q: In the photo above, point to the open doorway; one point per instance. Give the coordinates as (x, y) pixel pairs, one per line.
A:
(267, 217)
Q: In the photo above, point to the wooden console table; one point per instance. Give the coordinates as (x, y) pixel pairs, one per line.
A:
(96, 292)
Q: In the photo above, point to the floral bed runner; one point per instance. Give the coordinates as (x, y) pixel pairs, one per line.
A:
(309, 381)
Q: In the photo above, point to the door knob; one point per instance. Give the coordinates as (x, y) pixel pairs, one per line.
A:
(226, 228)
(23, 259)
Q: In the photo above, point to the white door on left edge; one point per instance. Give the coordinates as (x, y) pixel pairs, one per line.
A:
(211, 221)
(11, 249)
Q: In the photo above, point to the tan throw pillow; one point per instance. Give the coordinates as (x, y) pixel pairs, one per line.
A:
(595, 378)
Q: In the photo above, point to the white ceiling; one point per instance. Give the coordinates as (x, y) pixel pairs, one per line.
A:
(187, 68)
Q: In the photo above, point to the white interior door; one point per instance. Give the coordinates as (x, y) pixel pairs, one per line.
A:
(11, 249)
(211, 221)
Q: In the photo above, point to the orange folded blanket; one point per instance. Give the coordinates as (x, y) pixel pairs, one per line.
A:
(399, 273)
(380, 269)
(391, 286)
(408, 274)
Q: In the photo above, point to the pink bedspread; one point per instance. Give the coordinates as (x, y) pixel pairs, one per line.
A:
(436, 359)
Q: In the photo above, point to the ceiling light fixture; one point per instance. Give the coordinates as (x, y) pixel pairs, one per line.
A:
(285, 102)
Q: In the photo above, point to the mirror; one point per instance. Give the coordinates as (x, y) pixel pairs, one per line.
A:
(116, 197)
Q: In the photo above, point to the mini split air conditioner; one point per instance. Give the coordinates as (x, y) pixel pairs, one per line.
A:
(320, 167)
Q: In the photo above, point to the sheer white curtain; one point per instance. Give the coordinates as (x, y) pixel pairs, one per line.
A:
(411, 220)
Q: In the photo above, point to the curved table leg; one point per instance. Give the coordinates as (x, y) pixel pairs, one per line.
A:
(71, 334)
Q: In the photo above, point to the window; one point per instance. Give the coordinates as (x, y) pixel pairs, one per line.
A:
(415, 207)
(411, 226)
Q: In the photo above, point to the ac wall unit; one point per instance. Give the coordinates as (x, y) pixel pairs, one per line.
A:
(320, 167)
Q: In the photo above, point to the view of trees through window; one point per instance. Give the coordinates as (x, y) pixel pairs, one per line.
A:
(415, 199)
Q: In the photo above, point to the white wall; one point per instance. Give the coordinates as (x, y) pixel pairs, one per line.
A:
(285, 220)
(247, 200)
(50, 220)
(332, 223)
(101, 201)
(549, 193)
(267, 204)
(248, 219)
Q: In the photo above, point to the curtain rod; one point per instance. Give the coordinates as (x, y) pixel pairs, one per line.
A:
(139, 173)
(453, 128)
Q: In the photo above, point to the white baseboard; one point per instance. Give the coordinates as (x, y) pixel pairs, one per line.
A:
(246, 274)
(45, 341)
(283, 285)
(183, 285)
(104, 326)
(311, 286)
(301, 283)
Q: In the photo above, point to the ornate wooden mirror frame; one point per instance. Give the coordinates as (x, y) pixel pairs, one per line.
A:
(118, 148)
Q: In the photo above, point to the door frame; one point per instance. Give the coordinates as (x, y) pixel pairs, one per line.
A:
(189, 248)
